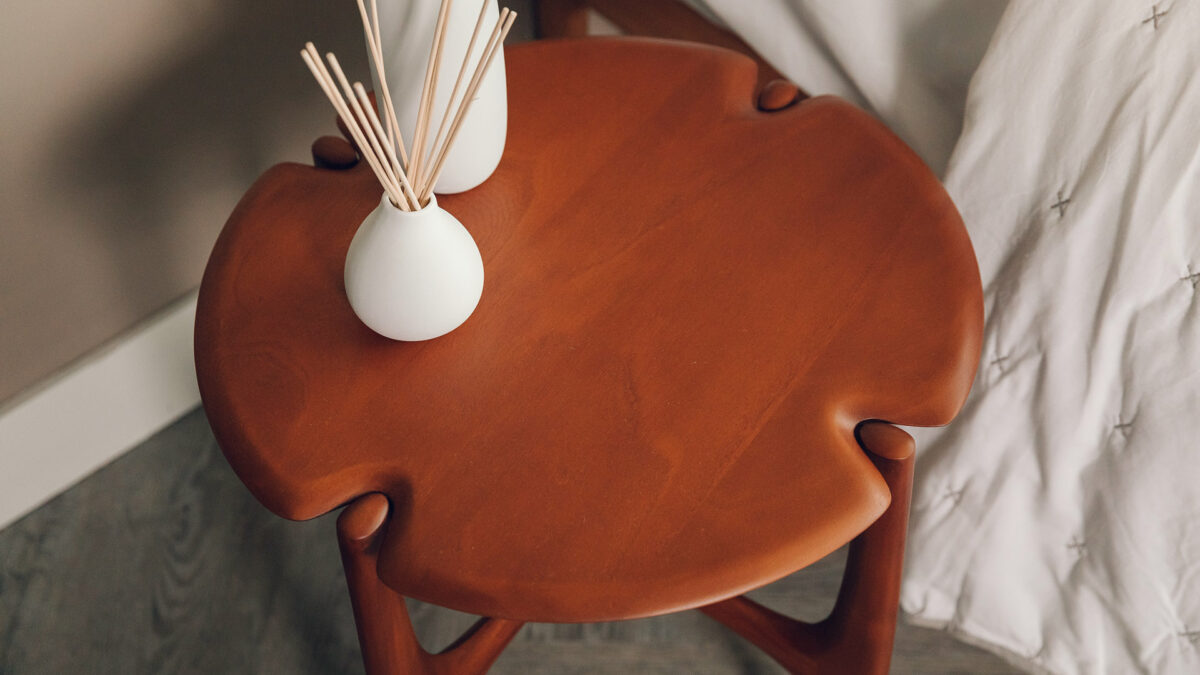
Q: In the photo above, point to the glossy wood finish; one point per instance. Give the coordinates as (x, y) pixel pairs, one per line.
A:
(333, 152)
(857, 635)
(779, 94)
(855, 638)
(122, 575)
(385, 631)
(690, 305)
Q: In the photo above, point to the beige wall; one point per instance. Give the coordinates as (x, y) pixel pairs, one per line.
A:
(128, 130)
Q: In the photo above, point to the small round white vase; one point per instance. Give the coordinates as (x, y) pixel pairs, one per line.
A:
(407, 30)
(413, 275)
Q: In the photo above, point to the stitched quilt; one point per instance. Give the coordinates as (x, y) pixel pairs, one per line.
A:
(1057, 520)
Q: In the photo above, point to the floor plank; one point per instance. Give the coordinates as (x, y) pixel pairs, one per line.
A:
(163, 563)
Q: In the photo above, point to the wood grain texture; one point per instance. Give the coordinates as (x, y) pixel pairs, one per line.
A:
(689, 306)
(161, 563)
(80, 579)
(385, 630)
(857, 635)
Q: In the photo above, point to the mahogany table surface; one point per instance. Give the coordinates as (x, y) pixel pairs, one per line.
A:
(689, 305)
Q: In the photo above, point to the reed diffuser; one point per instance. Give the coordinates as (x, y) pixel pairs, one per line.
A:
(408, 28)
(413, 272)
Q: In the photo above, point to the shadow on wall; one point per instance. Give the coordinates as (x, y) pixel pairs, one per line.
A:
(112, 214)
(204, 127)
(160, 167)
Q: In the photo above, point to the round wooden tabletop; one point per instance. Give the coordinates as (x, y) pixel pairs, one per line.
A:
(689, 305)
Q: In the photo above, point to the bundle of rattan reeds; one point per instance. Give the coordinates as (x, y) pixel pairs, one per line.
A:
(407, 178)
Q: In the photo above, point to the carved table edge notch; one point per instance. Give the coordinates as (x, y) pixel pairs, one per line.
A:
(385, 629)
(333, 152)
(778, 95)
(858, 634)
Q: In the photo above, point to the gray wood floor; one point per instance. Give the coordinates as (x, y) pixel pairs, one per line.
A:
(162, 563)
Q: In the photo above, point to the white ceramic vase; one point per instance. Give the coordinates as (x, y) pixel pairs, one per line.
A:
(413, 275)
(406, 32)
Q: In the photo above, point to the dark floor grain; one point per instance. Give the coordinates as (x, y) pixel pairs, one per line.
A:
(162, 563)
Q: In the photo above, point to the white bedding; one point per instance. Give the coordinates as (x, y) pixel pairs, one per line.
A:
(1057, 520)
(907, 61)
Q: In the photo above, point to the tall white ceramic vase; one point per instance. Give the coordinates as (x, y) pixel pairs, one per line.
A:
(406, 32)
(413, 275)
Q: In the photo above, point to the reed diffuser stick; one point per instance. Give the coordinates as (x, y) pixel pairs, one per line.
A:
(495, 44)
(371, 32)
(476, 76)
(429, 89)
(326, 82)
(408, 179)
(462, 71)
(377, 142)
(375, 123)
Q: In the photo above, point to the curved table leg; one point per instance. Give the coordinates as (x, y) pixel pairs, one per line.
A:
(857, 636)
(560, 18)
(385, 631)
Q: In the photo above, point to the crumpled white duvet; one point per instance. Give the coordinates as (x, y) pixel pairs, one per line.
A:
(908, 62)
(1057, 520)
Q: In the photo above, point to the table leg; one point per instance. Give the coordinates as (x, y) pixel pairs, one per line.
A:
(385, 632)
(560, 18)
(857, 636)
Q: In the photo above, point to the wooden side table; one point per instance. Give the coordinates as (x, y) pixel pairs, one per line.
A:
(696, 315)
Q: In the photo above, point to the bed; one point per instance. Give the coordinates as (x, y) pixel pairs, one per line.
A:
(1057, 521)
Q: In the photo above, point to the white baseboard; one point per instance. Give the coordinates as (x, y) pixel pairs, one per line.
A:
(97, 409)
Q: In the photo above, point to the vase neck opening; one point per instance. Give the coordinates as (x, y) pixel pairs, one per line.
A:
(385, 203)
